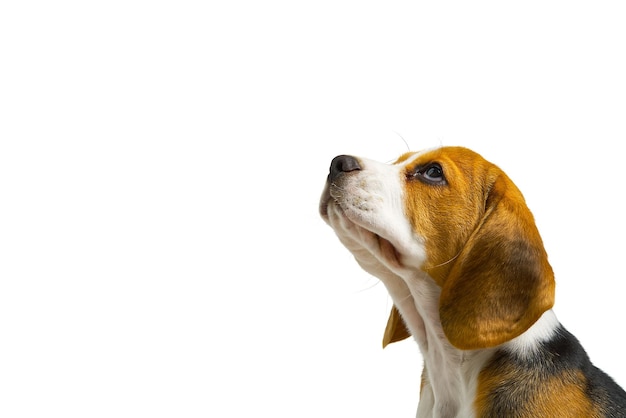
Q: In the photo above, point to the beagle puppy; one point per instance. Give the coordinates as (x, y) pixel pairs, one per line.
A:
(452, 239)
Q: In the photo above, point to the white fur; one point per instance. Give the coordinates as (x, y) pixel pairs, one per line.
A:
(526, 344)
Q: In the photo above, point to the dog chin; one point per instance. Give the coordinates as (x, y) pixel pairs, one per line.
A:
(358, 236)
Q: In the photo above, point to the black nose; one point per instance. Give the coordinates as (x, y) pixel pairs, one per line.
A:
(342, 164)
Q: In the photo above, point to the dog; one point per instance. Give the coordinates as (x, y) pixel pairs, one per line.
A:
(450, 236)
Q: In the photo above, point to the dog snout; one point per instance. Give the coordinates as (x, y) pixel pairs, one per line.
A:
(343, 164)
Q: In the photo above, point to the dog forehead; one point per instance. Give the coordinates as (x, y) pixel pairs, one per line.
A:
(449, 154)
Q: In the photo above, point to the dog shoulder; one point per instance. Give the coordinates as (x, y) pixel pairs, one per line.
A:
(555, 379)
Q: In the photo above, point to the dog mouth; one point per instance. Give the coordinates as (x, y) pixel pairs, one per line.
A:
(333, 200)
(333, 195)
(324, 202)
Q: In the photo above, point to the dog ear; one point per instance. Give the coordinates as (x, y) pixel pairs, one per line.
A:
(395, 330)
(501, 283)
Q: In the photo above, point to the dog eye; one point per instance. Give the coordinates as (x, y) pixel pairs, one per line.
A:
(431, 173)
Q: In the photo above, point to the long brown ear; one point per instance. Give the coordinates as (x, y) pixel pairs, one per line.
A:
(501, 283)
(396, 329)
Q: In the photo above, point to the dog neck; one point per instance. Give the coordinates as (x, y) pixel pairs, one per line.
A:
(449, 376)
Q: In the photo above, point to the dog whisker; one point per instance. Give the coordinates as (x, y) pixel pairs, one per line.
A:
(408, 148)
(445, 262)
(376, 283)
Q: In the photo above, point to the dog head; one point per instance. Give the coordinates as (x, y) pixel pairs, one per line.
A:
(456, 219)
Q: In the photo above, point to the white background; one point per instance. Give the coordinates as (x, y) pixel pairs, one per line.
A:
(160, 168)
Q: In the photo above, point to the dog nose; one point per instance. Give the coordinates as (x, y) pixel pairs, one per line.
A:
(342, 164)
